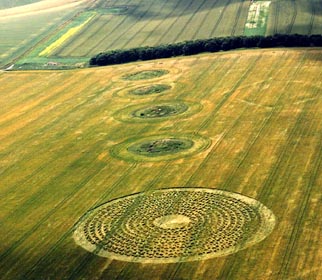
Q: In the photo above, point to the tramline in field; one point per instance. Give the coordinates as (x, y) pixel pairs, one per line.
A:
(90, 27)
(253, 145)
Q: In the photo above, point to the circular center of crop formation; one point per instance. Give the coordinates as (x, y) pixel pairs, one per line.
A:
(155, 112)
(174, 225)
(172, 221)
(159, 147)
(160, 111)
(145, 75)
(151, 89)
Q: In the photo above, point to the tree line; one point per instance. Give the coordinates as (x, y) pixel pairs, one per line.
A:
(206, 45)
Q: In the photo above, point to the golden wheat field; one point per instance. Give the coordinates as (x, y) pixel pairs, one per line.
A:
(247, 123)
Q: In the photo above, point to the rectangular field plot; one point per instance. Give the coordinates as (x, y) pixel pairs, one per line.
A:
(256, 121)
(257, 18)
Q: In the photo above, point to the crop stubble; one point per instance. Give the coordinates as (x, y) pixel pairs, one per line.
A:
(263, 115)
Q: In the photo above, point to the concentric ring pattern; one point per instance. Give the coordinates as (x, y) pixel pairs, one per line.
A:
(174, 225)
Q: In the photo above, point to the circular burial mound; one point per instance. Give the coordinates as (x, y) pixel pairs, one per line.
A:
(157, 111)
(174, 225)
(159, 147)
(145, 74)
(151, 89)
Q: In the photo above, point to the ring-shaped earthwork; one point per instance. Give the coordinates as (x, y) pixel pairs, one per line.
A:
(149, 90)
(160, 147)
(157, 111)
(145, 75)
(145, 91)
(174, 225)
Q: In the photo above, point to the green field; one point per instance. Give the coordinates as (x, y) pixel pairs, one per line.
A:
(158, 22)
(5, 4)
(295, 16)
(146, 23)
(133, 23)
(23, 27)
(256, 131)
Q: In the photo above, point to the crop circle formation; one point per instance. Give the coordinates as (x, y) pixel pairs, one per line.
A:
(150, 89)
(145, 74)
(157, 111)
(160, 147)
(174, 225)
(160, 111)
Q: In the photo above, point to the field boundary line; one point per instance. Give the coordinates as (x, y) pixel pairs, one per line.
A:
(219, 18)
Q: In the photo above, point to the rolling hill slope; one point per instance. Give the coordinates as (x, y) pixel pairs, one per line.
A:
(133, 23)
(72, 140)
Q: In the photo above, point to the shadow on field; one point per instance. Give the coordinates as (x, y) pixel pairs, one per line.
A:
(169, 9)
(316, 56)
(66, 262)
(311, 6)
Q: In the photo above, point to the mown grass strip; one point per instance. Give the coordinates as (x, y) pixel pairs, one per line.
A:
(71, 31)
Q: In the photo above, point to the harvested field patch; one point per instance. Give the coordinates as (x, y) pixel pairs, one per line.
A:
(63, 154)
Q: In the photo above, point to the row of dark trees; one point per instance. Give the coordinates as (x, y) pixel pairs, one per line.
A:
(207, 45)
